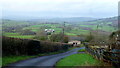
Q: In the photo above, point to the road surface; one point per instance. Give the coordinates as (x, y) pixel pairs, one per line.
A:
(44, 60)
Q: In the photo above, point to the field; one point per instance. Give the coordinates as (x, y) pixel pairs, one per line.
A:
(23, 36)
(17, 35)
(103, 27)
(41, 27)
(82, 28)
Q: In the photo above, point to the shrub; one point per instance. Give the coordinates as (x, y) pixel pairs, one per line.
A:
(65, 39)
(56, 37)
(41, 35)
(89, 38)
(59, 38)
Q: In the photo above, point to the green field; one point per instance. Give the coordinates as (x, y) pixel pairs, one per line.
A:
(79, 60)
(10, 34)
(73, 32)
(103, 27)
(17, 35)
(76, 29)
(23, 36)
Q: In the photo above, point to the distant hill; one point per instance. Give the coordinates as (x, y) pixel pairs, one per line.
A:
(69, 20)
(79, 20)
(113, 20)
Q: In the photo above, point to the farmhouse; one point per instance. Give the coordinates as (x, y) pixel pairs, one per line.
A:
(75, 43)
(49, 31)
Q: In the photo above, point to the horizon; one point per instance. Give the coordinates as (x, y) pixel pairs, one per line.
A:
(33, 18)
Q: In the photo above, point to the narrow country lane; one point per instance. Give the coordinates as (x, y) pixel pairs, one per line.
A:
(45, 60)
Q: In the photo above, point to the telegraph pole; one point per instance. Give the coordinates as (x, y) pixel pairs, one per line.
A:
(63, 31)
(64, 28)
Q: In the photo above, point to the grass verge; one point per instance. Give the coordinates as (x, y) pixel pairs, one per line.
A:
(79, 60)
(11, 59)
(81, 50)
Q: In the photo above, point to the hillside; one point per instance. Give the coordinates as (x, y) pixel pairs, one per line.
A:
(72, 20)
(106, 24)
(14, 28)
(113, 20)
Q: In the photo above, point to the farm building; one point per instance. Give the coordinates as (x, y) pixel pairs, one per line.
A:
(75, 42)
(49, 31)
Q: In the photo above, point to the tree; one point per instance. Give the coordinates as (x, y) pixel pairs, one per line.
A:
(56, 37)
(59, 38)
(41, 35)
(66, 39)
(89, 37)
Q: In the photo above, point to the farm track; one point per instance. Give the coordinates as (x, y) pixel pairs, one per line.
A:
(43, 61)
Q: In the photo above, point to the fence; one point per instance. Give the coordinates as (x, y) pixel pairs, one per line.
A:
(112, 56)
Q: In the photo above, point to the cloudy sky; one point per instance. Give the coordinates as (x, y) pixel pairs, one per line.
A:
(59, 8)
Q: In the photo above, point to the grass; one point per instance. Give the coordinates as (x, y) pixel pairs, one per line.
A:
(12, 59)
(81, 50)
(103, 27)
(17, 35)
(79, 60)
(23, 36)
(10, 34)
(73, 32)
(82, 45)
(0, 61)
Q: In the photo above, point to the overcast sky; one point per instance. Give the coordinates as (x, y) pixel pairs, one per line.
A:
(60, 8)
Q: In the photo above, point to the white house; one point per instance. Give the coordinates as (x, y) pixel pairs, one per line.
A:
(49, 30)
(75, 42)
